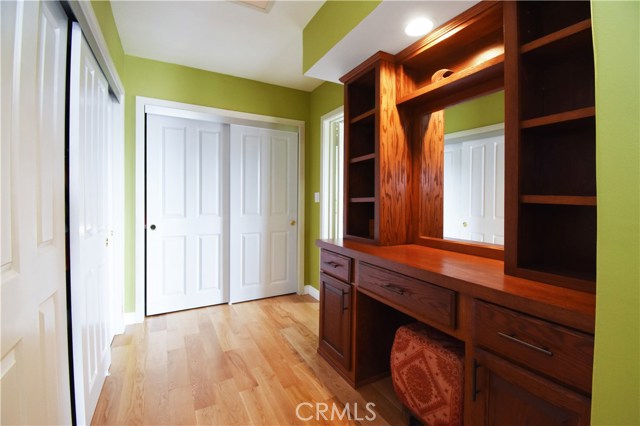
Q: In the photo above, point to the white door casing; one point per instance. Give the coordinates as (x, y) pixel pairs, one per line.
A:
(146, 105)
(34, 380)
(90, 125)
(332, 174)
(474, 185)
(263, 213)
(187, 211)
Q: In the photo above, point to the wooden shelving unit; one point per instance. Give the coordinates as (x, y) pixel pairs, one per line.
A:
(550, 121)
(471, 48)
(376, 209)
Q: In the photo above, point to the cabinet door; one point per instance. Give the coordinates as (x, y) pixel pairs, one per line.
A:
(335, 320)
(510, 395)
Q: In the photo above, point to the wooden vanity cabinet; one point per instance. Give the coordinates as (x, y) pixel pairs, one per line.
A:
(528, 370)
(528, 345)
(336, 313)
(335, 320)
(507, 394)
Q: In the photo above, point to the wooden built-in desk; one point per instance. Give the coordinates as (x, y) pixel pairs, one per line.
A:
(517, 333)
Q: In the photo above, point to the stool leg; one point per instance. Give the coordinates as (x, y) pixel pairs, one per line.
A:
(414, 421)
(410, 419)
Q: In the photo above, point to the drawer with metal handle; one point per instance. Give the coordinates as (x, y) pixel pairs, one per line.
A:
(557, 351)
(336, 265)
(422, 300)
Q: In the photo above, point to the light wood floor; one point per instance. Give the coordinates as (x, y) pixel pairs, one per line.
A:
(247, 364)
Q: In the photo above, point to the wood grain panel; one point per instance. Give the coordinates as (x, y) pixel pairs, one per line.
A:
(431, 184)
(394, 164)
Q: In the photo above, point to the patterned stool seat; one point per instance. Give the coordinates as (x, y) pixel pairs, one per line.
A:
(427, 369)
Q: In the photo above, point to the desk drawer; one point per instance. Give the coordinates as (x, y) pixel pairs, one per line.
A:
(551, 349)
(418, 298)
(336, 265)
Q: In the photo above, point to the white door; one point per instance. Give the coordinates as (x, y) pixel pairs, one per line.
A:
(90, 124)
(187, 185)
(474, 190)
(34, 361)
(264, 209)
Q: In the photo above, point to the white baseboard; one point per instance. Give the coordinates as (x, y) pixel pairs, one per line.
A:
(312, 291)
(132, 318)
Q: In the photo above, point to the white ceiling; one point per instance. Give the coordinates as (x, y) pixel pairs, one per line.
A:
(227, 37)
(231, 37)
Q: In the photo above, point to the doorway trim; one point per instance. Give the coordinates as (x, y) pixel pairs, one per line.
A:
(179, 109)
(326, 206)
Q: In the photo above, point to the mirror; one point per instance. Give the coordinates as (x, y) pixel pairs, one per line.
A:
(474, 171)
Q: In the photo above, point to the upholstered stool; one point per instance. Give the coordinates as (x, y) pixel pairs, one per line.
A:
(427, 369)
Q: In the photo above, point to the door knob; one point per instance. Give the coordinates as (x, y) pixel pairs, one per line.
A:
(293, 222)
(465, 224)
(152, 227)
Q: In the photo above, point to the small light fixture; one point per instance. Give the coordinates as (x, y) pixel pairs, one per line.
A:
(418, 27)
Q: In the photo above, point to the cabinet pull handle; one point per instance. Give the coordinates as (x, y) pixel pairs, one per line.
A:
(474, 378)
(394, 289)
(332, 263)
(343, 306)
(545, 351)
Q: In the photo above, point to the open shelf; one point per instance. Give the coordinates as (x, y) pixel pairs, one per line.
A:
(569, 35)
(559, 159)
(362, 94)
(538, 19)
(361, 139)
(562, 117)
(360, 220)
(558, 239)
(568, 200)
(488, 72)
(363, 200)
(365, 115)
(361, 179)
(551, 83)
(362, 158)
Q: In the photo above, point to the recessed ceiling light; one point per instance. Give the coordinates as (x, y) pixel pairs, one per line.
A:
(418, 27)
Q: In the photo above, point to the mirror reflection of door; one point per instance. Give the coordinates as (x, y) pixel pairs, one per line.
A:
(474, 185)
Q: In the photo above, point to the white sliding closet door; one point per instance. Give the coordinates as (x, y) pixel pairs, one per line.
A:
(187, 204)
(90, 145)
(34, 382)
(264, 213)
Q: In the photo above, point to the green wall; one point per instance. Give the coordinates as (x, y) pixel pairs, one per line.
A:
(478, 112)
(153, 79)
(334, 20)
(616, 381)
(104, 14)
(324, 99)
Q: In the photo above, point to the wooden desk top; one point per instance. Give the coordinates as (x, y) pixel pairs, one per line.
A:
(477, 277)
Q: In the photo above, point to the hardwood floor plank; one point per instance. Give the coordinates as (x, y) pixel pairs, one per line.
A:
(240, 371)
(177, 369)
(199, 372)
(244, 364)
(181, 406)
(257, 407)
